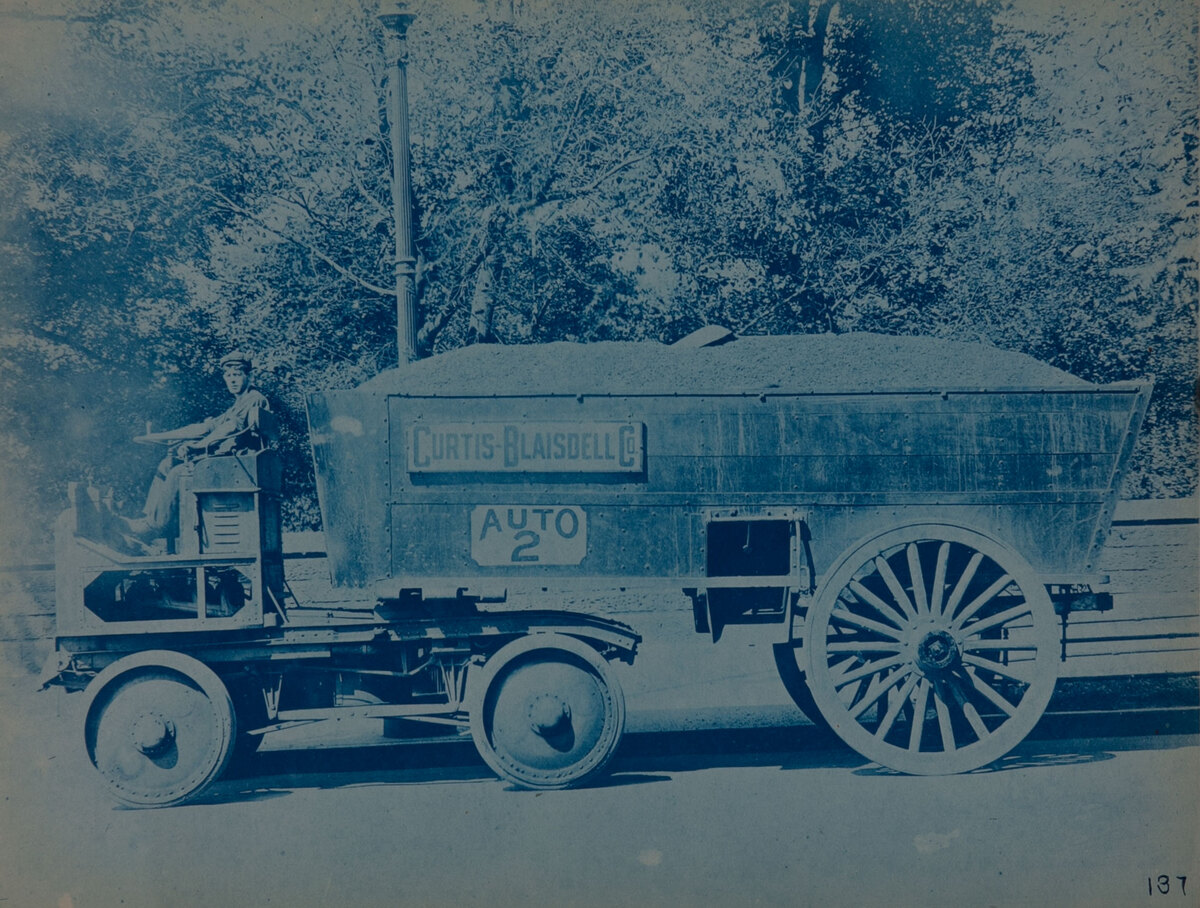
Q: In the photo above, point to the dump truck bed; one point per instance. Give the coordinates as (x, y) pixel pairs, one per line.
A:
(612, 460)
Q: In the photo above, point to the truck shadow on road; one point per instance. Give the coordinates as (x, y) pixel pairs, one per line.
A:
(643, 758)
(653, 757)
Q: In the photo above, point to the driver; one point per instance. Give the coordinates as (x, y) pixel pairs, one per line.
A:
(236, 431)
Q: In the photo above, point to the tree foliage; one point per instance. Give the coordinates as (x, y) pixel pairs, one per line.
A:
(1018, 174)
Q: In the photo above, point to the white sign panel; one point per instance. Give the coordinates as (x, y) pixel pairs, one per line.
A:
(528, 535)
(525, 447)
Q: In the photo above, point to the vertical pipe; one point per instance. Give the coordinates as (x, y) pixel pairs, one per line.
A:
(396, 19)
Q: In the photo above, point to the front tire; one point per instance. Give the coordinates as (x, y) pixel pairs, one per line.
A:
(159, 728)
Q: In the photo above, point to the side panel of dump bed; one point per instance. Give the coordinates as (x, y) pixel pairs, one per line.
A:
(623, 486)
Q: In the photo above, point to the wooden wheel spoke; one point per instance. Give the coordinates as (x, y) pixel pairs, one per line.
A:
(894, 707)
(992, 694)
(871, 599)
(836, 665)
(1014, 670)
(1001, 646)
(863, 671)
(918, 579)
(878, 688)
(960, 588)
(863, 646)
(939, 579)
(893, 584)
(984, 624)
(976, 723)
(981, 600)
(847, 617)
(956, 685)
(943, 717)
(918, 718)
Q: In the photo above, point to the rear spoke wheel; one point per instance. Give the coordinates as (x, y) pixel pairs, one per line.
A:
(931, 649)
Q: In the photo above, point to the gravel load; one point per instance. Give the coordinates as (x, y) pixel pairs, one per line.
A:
(801, 363)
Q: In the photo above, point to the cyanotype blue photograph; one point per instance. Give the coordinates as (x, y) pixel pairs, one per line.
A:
(558, 453)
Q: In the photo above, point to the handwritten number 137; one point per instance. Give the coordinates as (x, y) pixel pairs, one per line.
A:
(1162, 884)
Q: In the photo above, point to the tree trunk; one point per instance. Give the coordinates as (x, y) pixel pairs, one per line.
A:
(483, 303)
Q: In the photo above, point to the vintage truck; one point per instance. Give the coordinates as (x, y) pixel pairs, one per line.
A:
(912, 519)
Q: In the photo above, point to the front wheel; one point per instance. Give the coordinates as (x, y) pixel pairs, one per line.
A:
(932, 649)
(549, 715)
(159, 728)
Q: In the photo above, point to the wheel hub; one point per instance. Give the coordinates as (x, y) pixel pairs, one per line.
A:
(937, 651)
(549, 715)
(152, 734)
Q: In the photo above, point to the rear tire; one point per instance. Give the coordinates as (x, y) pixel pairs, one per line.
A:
(789, 661)
(932, 649)
(548, 714)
